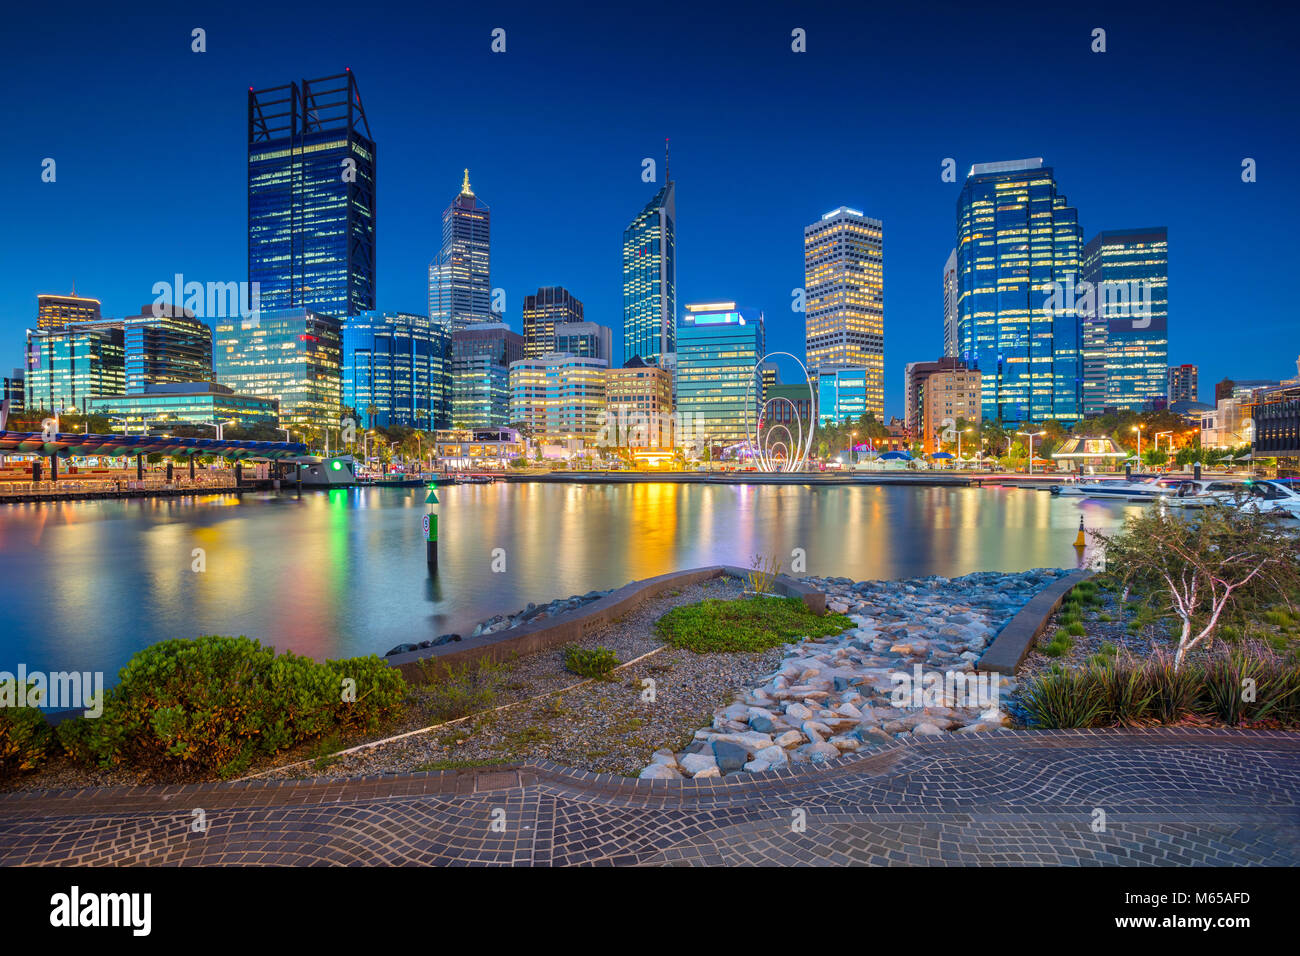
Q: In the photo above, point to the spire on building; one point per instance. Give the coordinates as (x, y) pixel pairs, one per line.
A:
(668, 175)
(464, 187)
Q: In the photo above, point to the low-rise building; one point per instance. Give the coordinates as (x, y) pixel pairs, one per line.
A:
(186, 403)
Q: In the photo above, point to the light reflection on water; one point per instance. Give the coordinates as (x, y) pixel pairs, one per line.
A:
(343, 572)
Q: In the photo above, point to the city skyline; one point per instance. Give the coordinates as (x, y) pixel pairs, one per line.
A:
(738, 231)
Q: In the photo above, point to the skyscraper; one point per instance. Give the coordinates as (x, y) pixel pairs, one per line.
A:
(844, 289)
(650, 278)
(1017, 243)
(460, 276)
(311, 197)
(550, 306)
(1183, 385)
(70, 364)
(166, 345)
(399, 365)
(1124, 310)
(480, 374)
(719, 392)
(55, 310)
(586, 339)
(291, 355)
(950, 348)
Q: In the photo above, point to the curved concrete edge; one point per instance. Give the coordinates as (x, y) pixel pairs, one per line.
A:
(881, 761)
(1017, 637)
(575, 625)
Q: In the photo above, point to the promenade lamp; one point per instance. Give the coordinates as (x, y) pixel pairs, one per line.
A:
(287, 437)
(968, 430)
(1171, 440)
(1032, 436)
(220, 427)
(853, 442)
(1138, 430)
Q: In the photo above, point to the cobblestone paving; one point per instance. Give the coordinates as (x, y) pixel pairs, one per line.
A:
(1170, 797)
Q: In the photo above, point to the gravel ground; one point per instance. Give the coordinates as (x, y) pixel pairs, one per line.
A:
(603, 726)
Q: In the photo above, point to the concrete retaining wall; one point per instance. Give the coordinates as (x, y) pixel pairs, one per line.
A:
(1010, 647)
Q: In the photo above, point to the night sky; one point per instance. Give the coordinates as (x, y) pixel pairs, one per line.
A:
(150, 144)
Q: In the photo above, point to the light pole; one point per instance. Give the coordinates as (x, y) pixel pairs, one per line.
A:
(221, 427)
(959, 443)
(1138, 429)
(1032, 436)
(853, 441)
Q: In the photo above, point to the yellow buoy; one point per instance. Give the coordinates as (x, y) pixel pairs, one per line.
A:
(1079, 540)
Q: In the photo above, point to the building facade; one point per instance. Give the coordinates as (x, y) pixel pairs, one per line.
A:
(560, 398)
(1018, 242)
(399, 365)
(53, 311)
(844, 297)
(311, 197)
(718, 386)
(549, 307)
(950, 345)
(639, 406)
(587, 339)
(291, 355)
(460, 276)
(650, 279)
(481, 357)
(166, 345)
(1183, 383)
(842, 394)
(1123, 300)
(70, 364)
(936, 391)
(187, 403)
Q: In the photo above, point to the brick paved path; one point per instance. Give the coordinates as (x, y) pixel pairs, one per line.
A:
(1170, 797)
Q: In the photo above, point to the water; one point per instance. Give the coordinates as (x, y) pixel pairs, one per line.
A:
(338, 573)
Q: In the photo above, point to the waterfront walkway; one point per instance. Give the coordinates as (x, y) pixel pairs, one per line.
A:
(1169, 797)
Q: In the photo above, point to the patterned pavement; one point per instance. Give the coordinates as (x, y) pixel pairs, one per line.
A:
(1169, 797)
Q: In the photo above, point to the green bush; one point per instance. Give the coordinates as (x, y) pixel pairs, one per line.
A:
(598, 662)
(25, 735)
(451, 692)
(1064, 697)
(213, 705)
(745, 625)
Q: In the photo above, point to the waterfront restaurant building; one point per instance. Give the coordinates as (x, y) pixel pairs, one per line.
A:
(718, 387)
(186, 403)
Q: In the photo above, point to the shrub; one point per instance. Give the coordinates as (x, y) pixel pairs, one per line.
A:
(453, 692)
(1064, 697)
(745, 625)
(24, 733)
(1173, 688)
(212, 705)
(597, 662)
(1126, 692)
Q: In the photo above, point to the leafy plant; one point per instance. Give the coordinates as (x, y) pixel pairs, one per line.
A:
(451, 692)
(25, 735)
(745, 625)
(763, 574)
(1064, 697)
(598, 662)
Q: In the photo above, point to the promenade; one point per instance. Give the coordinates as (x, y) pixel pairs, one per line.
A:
(1168, 796)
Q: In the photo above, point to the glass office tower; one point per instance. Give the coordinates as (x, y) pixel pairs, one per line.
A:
(70, 364)
(168, 348)
(841, 395)
(480, 374)
(718, 390)
(311, 197)
(291, 355)
(460, 276)
(1017, 242)
(551, 306)
(399, 365)
(844, 284)
(1124, 308)
(650, 279)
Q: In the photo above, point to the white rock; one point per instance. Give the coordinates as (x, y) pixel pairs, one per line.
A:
(791, 738)
(659, 771)
(694, 764)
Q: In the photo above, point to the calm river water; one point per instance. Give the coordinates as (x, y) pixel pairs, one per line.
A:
(343, 572)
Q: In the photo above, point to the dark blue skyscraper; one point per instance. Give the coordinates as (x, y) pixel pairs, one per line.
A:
(1018, 246)
(311, 197)
(460, 276)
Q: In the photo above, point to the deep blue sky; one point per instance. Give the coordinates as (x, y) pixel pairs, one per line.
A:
(150, 144)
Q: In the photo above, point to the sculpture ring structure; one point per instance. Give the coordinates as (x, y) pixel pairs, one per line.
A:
(796, 457)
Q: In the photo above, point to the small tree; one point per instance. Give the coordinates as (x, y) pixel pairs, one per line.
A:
(1199, 569)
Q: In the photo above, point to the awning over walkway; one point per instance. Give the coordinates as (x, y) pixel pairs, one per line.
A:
(69, 445)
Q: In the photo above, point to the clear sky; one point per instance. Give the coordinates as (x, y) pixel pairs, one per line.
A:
(150, 144)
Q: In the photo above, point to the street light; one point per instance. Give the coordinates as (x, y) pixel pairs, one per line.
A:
(1032, 436)
(959, 444)
(853, 441)
(1138, 429)
(220, 427)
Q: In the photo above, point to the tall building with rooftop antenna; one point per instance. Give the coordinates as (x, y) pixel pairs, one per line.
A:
(460, 276)
(650, 276)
